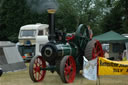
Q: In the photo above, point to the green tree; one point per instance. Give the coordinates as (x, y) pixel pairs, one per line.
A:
(71, 13)
(113, 21)
(124, 5)
(14, 14)
(117, 18)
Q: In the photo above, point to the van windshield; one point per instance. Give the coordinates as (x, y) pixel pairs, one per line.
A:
(28, 33)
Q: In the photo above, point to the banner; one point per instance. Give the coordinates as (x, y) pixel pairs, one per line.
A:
(108, 67)
(90, 69)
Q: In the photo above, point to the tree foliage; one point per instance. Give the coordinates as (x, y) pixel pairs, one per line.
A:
(102, 15)
(13, 15)
(117, 18)
(75, 12)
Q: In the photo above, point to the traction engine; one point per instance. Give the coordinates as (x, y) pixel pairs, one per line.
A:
(64, 54)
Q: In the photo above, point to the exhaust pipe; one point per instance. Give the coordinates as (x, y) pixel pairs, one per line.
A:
(52, 35)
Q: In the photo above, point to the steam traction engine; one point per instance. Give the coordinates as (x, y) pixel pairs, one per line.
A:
(64, 54)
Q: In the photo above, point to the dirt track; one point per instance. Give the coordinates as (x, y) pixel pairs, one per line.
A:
(22, 78)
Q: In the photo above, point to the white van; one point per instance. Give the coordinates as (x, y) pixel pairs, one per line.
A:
(31, 38)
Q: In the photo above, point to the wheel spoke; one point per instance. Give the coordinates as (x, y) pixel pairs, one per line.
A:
(39, 75)
(66, 73)
(99, 53)
(70, 75)
(36, 64)
(35, 75)
(34, 68)
(66, 65)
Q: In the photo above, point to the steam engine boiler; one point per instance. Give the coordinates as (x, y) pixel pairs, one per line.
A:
(64, 54)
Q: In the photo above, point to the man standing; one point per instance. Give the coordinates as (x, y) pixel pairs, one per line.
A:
(90, 32)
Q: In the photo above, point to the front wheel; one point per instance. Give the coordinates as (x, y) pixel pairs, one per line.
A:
(36, 71)
(67, 69)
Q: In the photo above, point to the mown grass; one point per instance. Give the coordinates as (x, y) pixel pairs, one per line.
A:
(22, 78)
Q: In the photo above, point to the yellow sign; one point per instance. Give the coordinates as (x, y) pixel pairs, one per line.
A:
(108, 67)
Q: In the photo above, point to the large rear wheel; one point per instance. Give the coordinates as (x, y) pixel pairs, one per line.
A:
(93, 50)
(67, 69)
(35, 69)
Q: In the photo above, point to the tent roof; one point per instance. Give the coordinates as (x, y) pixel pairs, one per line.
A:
(111, 37)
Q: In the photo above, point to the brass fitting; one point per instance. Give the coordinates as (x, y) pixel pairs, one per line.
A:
(51, 11)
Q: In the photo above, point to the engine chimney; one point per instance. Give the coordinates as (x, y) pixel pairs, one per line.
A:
(51, 36)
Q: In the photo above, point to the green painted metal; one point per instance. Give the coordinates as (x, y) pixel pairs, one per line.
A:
(67, 49)
(76, 46)
(81, 37)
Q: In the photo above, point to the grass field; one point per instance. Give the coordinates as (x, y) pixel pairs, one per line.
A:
(22, 78)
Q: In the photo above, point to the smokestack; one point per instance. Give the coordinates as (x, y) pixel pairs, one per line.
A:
(52, 35)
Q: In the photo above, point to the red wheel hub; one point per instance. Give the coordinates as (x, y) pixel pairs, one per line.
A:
(97, 50)
(70, 69)
(38, 64)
